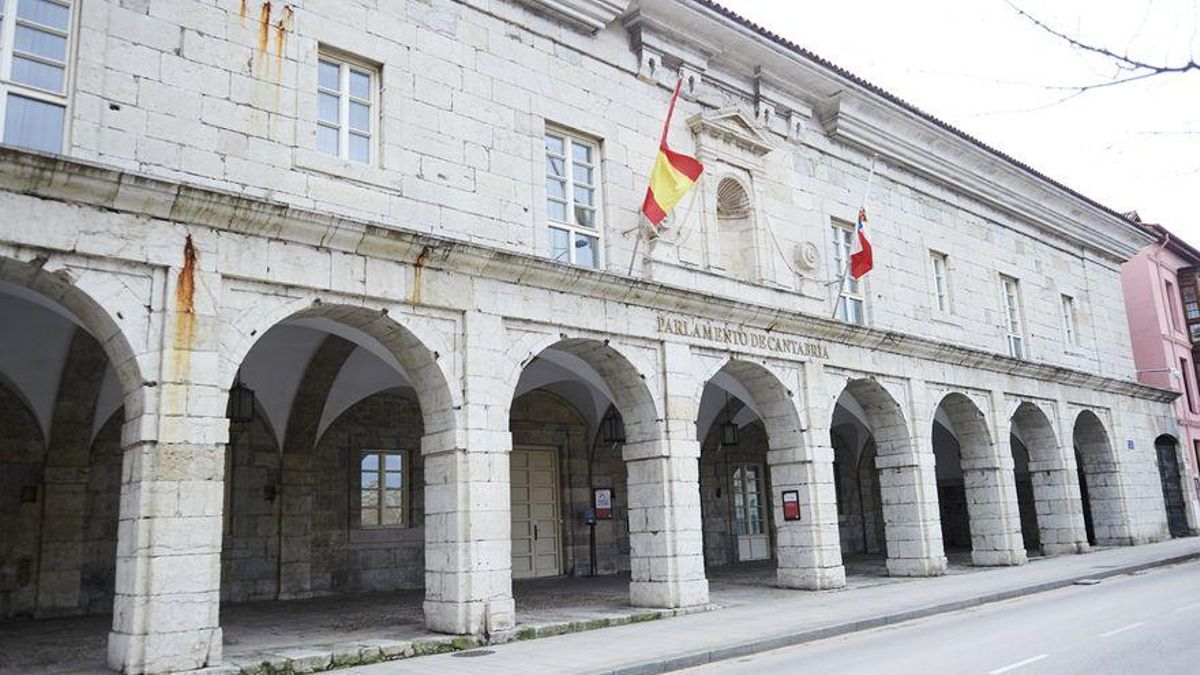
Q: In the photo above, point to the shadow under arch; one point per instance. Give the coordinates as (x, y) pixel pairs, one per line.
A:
(988, 491)
(1100, 482)
(1047, 486)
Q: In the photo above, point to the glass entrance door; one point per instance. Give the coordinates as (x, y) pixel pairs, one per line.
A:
(749, 511)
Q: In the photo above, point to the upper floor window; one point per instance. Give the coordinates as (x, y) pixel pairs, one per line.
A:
(1012, 317)
(346, 108)
(34, 44)
(1185, 376)
(1191, 302)
(941, 286)
(382, 488)
(1169, 301)
(851, 300)
(1070, 330)
(572, 198)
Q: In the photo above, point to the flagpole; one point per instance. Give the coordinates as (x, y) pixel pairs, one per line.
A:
(661, 140)
(837, 298)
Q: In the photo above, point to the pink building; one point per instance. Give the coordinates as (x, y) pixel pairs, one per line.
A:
(1162, 300)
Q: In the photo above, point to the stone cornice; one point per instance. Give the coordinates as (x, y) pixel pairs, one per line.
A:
(857, 113)
(107, 188)
(919, 146)
(589, 15)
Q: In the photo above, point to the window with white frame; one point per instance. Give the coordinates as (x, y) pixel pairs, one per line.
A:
(1012, 317)
(573, 198)
(850, 304)
(941, 287)
(35, 37)
(1070, 330)
(346, 108)
(382, 488)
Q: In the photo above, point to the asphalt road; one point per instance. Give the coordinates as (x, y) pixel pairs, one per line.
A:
(1144, 623)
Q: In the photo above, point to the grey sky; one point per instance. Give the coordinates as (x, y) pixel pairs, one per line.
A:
(980, 66)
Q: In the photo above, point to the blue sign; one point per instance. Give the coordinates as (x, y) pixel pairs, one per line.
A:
(1129, 443)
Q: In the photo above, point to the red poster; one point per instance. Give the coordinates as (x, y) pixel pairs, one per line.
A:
(791, 505)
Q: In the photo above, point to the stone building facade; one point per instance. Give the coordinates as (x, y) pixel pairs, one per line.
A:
(333, 296)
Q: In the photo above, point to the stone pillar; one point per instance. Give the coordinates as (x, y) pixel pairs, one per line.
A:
(808, 551)
(468, 541)
(993, 509)
(165, 613)
(666, 549)
(1059, 508)
(65, 478)
(908, 487)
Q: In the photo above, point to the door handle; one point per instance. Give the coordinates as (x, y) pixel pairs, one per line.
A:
(535, 533)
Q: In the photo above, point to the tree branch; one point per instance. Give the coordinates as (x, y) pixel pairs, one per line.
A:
(1139, 69)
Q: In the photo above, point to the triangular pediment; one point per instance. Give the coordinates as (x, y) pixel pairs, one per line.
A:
(731, 126)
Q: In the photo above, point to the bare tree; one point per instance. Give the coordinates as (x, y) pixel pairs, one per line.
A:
(1129, 69)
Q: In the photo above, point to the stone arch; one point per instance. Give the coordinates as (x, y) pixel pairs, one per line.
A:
(988, 489)
(806, 557)
(438, 400)
(1058, 513)
(75, 292)
(1166, 448)
(773, 401)
(907, 482)
(665, 571)
(1100, 481)
(627, 384)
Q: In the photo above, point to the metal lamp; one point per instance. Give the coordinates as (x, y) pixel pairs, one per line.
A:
(241, 402)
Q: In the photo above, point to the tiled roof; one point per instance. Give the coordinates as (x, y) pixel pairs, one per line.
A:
(843, 73)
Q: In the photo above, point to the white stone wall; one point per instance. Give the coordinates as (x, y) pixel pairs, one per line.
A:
(197, 217)
(207, 93)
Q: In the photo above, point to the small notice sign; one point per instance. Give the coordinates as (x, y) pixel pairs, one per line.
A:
(791, 505)
(602, 500)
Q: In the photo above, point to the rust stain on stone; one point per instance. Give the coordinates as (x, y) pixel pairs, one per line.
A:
(281, 28)
(418, 267)
(185, 301)
(242, 12)
(264, 36)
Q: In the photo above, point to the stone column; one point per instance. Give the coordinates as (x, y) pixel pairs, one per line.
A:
(169, 536)
(908, 487)
(65, 478)
(993, 511)
(666, 549)
(1059, 508)
(991, 485)
(468, 541)
(808, 551)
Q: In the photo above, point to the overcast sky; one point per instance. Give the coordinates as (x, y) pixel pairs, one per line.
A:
(980, 66)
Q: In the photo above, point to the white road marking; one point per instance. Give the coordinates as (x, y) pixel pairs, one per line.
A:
(1185, 608)
(1122, 629)
(1018, 664)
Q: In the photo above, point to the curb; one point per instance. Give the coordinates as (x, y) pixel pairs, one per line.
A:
(766, 644)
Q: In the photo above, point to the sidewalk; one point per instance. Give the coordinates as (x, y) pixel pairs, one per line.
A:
(790, 618)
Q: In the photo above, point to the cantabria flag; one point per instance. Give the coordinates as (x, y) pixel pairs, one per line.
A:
(672, 176)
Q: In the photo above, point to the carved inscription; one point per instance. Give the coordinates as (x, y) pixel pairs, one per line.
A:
(735, 336)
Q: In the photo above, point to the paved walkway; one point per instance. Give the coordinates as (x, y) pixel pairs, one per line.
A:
(747, 609)
(787, 618)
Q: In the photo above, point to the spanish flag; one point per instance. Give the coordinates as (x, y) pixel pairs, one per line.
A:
(672, 176)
